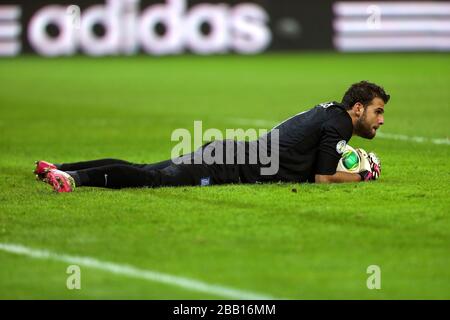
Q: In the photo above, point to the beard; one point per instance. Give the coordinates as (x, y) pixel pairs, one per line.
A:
(363, 129)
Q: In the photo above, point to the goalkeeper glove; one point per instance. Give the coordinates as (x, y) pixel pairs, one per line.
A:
(371, 165)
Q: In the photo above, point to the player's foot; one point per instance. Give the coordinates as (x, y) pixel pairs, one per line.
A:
(60, 180)
(42, 167)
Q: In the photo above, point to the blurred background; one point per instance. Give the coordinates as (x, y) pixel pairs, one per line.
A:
(129, 27)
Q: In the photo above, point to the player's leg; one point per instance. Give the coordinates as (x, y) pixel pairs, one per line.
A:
(106, 162)
(113, 176)
(42, 167)
(166, 173)
(125, 176)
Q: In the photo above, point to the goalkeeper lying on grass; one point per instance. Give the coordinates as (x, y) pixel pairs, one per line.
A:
(312, 147)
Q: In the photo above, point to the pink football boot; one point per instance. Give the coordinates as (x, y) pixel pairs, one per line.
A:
(42, 167)
(60, 180)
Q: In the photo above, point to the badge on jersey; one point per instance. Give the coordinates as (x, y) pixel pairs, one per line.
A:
(340, 146)
(205, 181)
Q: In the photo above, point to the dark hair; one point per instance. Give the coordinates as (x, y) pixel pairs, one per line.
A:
(363, 92)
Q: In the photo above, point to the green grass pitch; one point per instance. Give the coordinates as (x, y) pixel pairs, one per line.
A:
(315, 243)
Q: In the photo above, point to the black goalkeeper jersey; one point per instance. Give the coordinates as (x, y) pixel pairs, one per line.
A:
(310, 143)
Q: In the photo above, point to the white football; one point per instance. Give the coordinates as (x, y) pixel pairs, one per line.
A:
(350, 160)
(353, 160)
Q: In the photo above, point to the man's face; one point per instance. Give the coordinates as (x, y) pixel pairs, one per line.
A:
(371, 119)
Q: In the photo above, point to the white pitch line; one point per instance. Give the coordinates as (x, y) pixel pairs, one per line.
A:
(130, 271)
(382, 135)
(402, 137)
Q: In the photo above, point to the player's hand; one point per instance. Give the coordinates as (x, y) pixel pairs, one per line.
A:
(370, 165)
(375, 165)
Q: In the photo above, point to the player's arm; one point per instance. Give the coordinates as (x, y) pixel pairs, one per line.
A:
(338, 177)
(330, 150)
(371, 171)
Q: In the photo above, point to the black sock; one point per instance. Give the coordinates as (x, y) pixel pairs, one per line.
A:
(115, 176)
(76, 177)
